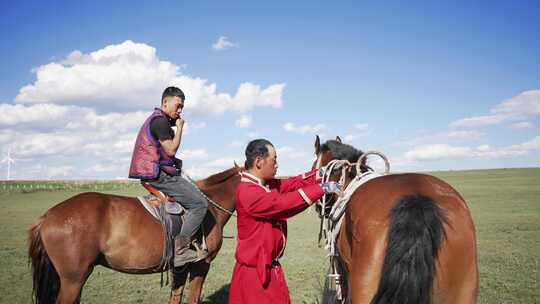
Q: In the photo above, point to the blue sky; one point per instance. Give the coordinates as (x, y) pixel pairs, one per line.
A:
(435, 86)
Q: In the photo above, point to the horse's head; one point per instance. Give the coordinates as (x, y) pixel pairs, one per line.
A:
(336, 161)
(336, 150)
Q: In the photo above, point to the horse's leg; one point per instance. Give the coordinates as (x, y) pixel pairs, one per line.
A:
(72, 246)
(198, 272)
(364, 274)
(70, 289)
(178, 284)
(73, 274)
(362, 251)
(457, 270)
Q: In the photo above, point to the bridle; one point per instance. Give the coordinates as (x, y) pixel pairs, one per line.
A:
(344, 165)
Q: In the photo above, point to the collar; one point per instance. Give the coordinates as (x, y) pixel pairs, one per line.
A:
(162, 112)
(250, 178)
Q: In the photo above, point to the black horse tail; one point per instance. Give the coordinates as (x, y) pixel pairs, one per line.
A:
(45, 278)
(414, 238)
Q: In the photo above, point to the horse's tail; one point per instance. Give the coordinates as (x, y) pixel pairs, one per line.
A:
(45, 278)
(414, 238)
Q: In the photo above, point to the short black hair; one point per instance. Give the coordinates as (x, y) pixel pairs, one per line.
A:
(172, 91)
(256, 147)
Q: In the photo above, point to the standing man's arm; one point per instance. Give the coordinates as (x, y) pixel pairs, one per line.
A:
(170, 146)
(295, 182)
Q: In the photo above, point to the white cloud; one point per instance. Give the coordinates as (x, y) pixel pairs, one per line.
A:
(287, 152)
(6, 136)
(526, 103)
(479, 121)
(532, 144)
(193, 154)
(253, 135)
(523, 105)
(41, 144)
(223, 162)
(349, 138)
(360, 130)
(130, 76)
(522, 125)
(101, 168)
(212, 167)
(237, 143)
(462, 135)
(362, 126)
(455, 136)
(244, 121)
(59, 171)
(437, 151)
(223, 43)
(291, 127)
(51, 116)
(200, 125)
(444, 151)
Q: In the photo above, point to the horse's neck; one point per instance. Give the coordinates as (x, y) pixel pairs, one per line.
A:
(223, 194)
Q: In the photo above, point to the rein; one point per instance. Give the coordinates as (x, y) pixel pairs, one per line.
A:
(218, 206)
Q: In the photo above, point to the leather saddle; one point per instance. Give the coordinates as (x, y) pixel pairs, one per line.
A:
(159, 199)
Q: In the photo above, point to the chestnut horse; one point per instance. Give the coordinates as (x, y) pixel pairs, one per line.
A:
(405, 238)
(117, 232)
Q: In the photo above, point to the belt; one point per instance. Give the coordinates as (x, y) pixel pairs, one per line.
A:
(275, 263)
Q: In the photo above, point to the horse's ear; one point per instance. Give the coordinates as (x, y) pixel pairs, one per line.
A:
(317, 145)
(338, 139)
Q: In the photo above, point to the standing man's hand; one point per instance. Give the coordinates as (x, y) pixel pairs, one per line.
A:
(331, 187)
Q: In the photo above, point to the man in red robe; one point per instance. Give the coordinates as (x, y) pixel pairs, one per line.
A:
(263, 204)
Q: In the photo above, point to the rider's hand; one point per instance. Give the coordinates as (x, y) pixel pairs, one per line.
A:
(331, 187)
(180, 122)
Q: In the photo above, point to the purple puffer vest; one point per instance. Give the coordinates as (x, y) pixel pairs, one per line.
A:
(148, 155)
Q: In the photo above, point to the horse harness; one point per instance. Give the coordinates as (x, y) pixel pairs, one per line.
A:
(331, 221)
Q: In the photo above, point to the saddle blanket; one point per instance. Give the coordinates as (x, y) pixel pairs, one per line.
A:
(170, 207)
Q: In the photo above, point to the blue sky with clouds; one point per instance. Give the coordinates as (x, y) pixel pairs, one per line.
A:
(435, 86)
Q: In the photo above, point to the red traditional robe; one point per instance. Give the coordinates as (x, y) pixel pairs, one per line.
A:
(262, 234)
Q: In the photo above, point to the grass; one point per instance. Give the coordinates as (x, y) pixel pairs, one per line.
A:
(505, 204)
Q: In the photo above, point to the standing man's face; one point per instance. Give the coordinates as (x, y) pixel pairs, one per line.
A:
(269, 165)
(173, 105)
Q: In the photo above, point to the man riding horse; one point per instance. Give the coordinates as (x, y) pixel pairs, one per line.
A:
(154, 162)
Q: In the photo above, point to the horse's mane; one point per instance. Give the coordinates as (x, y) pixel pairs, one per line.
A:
(341, 151)
(220, 177)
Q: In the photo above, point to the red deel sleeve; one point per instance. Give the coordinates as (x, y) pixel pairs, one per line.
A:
(274, 205)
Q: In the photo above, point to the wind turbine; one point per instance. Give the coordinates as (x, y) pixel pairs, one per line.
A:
(9, 161)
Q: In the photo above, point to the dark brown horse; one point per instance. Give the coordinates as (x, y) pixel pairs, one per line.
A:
(405, 238)
(117, 232)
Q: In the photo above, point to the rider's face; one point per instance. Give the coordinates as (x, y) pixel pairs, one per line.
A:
(173, 105)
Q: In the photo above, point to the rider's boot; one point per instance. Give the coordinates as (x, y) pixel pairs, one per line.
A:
(183, 254)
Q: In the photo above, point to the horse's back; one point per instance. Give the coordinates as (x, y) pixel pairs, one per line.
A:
(112, 230)
(368, 221)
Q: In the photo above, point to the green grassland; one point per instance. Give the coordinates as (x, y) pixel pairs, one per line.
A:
(505, 204)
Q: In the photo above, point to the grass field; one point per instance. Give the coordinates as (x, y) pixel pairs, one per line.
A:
(505, 204)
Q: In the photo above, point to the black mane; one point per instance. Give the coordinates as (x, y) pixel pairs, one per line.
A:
(341, 151)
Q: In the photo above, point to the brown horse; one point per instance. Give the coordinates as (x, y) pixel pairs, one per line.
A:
(405, 238)
(117, 232)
